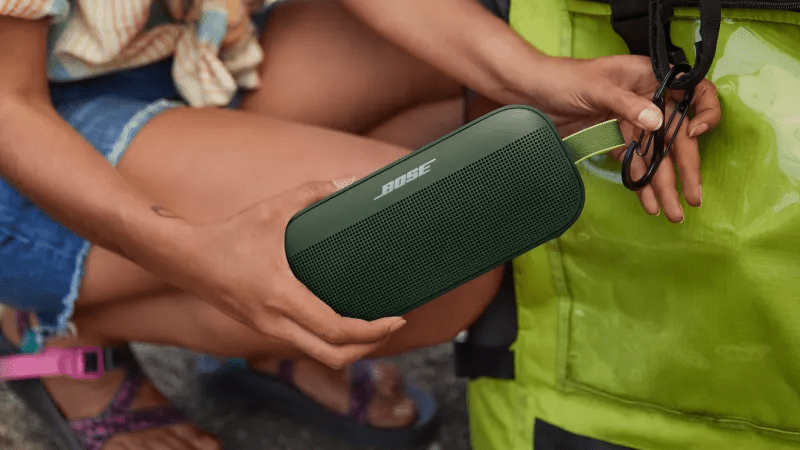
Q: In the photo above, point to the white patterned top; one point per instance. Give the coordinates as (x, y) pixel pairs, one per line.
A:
(213, 42)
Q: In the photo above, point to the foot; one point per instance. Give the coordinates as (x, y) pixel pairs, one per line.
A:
(83, 399)
(388, 408)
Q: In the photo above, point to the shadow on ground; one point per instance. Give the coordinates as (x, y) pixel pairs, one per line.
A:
(173, 371)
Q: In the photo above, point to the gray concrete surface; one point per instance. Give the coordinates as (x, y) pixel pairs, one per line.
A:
(173, 371)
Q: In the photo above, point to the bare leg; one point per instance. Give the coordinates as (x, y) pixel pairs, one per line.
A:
(323, 67)
(188, 174)
(393, 98)
(421, 124)
(176, 161)
(341, 76)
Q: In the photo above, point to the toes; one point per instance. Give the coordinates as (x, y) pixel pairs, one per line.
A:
(388, 381)
(177, 437)
(389, 407)
(166, 440)
(391, 414)
(404, 411)
(207, 442)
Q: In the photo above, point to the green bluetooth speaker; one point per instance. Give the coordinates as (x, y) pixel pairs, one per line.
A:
(444, 214)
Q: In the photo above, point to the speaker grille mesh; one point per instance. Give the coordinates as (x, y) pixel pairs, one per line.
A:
(392, 261)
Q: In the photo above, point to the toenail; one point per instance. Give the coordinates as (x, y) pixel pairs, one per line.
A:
(403, 409)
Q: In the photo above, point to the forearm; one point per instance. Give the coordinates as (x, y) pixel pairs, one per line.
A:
(54, 167)
(463, 40)
(51, 165)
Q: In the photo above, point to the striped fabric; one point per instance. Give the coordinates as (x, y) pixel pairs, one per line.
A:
(213, 42)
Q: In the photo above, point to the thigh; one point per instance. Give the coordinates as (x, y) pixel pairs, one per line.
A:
(324, 67)
(208, 164)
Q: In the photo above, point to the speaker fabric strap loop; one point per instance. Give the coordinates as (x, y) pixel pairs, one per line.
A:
(595, 140)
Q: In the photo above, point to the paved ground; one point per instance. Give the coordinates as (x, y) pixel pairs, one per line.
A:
(173, 371)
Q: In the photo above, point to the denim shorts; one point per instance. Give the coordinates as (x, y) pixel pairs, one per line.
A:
(41, 261)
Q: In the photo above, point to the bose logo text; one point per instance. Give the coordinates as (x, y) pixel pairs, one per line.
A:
(412, 175)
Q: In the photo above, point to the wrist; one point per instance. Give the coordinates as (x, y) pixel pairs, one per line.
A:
(162, 243)
(541, 80)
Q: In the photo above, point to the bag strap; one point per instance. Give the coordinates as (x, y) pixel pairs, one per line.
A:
(644, 26)
(631, 20)
(662, 50)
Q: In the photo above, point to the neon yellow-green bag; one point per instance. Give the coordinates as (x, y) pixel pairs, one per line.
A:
(653, 335)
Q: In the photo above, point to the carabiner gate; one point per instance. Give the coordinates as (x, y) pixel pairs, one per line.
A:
(657, 137)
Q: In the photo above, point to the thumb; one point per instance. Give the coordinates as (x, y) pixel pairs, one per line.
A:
(633, 108)
(310, 192)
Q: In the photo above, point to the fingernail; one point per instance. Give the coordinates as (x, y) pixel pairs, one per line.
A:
(659, 212)
(397, 325)
(683, 217)
(701, 195)
(698, 130)
(650, 118)
(343, 182)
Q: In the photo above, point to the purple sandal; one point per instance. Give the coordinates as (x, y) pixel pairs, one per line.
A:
(238, 385)
(22, 373)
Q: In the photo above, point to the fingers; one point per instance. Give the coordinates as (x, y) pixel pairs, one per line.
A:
(664, 183)
(638, 168)
(686, 155)
(648, 200)
(303, 307)
(307, 193)
(664, 186)
(646, 195)
(643, 114)
(706, 107)
(660, 193)
(296, 302)
(631, 107)
(332, 355)
(280, 293)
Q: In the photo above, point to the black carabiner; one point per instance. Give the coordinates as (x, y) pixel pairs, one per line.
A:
(683, 108)
(657, 138)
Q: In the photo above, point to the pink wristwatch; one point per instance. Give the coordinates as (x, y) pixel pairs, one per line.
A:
(83, 363)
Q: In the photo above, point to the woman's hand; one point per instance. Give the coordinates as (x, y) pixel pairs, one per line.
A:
(246, 275)
(463, 40)
(582, 93)
(239, 265)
